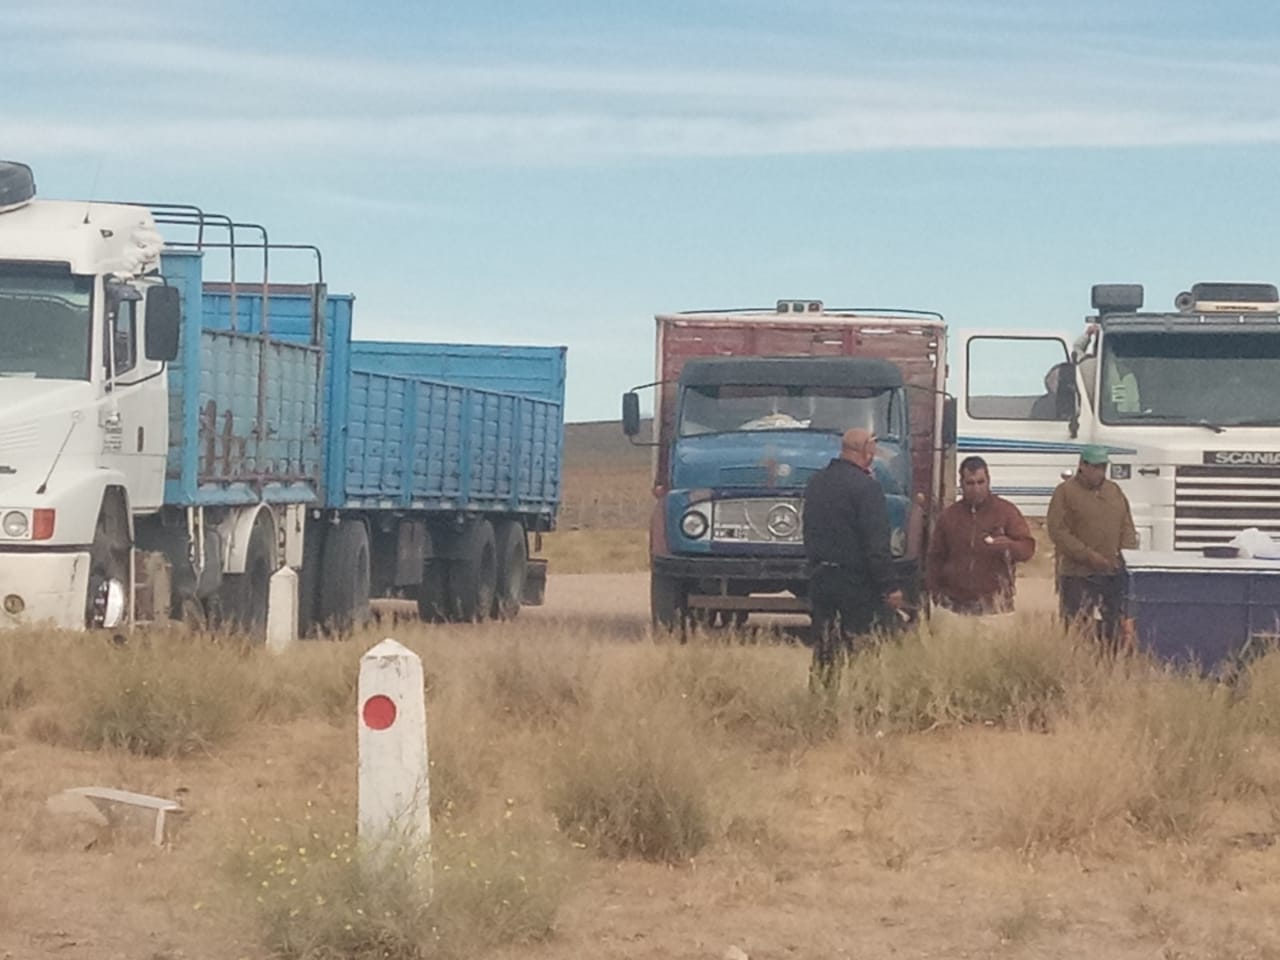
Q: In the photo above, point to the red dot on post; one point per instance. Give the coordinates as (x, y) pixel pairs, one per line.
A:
(379, 712)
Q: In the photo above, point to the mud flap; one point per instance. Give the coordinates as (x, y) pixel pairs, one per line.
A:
(535, 583)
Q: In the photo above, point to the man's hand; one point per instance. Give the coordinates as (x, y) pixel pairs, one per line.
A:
(894, 600)
(1000, 543)
(1101, 563)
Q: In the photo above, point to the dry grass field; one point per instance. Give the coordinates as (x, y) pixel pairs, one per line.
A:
(602, 792)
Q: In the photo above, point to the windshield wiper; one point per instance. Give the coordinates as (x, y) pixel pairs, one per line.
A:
(1175, 420)
(1255, 422)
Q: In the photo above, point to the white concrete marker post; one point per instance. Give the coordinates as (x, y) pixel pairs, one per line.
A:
(282, 610)
(394, 794)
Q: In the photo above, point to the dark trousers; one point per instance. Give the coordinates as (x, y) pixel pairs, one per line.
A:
(843, 608)
(1093, 602)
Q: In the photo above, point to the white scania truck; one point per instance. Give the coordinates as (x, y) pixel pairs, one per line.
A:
(1186, 400)
(169, 444)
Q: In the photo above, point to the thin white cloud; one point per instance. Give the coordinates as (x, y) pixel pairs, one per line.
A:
(576, 137)
(204, 99)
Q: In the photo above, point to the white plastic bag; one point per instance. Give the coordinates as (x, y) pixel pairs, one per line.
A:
(1252, 542)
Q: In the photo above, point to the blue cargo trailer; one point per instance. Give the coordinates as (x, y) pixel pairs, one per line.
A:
(371, 469)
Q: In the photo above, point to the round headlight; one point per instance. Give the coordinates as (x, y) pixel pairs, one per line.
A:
(15, 524)
(783, 521)
(693, 524)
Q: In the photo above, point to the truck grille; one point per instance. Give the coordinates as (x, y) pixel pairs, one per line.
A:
(1212, 504)
(758, 520)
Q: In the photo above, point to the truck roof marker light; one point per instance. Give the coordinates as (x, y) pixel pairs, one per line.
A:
(43, 521)
(799, 306)
(1116, 297)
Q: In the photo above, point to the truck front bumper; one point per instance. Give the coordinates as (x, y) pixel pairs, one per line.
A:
(733, 568)
(46, 589)
(729, 582)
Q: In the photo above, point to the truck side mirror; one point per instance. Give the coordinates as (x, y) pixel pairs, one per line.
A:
(163, 318)
(949, 428)
(631, 413)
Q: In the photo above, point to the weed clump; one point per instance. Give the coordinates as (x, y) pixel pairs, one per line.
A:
(636, 785)
(159, 696)
(758, 694)
(319, 894)
(1150, 751)
(534, 688)
(316, 679)
(1013, 673)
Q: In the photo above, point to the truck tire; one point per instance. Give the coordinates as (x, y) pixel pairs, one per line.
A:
(513, 558)
(433, 592)
(309, 577)
(345, 577)
(109, 557)
(244, 596)
(473, 575)
(666, 603)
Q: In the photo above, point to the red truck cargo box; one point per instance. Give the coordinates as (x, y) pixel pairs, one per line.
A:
(915, 342)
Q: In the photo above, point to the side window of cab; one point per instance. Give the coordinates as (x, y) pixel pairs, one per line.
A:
(122, 344)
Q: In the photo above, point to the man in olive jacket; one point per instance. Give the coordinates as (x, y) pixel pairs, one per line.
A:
(1089, 523)
(846, 540)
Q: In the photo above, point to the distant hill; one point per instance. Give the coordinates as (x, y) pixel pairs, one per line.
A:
(608, 481)
(601, 442)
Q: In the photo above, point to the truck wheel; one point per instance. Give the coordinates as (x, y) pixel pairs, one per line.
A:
(108, 564)
(244, 596)
(309, 576)
(473, 576)
(513, 558)
(344, 577)
(666, 603)
(433, 592)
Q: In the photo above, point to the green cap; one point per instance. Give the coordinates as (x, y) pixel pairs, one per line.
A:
(1093, 453)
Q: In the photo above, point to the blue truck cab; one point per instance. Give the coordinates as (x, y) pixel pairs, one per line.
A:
(751, 404)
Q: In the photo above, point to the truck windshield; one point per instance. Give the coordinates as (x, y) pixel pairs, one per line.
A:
(45, 315)
(1173, 378)
(728, 408)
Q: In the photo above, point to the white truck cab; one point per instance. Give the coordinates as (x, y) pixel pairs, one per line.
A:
(86, 329)
(1185, 400)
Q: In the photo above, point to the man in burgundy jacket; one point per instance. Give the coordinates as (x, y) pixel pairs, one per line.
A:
(970, 566)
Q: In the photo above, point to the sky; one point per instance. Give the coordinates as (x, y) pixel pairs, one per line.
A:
(559, 172)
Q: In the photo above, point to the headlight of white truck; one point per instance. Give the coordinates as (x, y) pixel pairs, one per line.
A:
(15, 524)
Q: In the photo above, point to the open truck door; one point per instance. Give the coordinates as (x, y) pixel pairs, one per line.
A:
(1018, 410)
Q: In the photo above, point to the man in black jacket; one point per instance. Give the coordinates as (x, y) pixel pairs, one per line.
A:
(846, 539)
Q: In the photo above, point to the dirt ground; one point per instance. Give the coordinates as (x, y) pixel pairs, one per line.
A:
(866, 854)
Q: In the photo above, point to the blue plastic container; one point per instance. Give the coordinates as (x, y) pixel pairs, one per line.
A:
(1192, 609)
